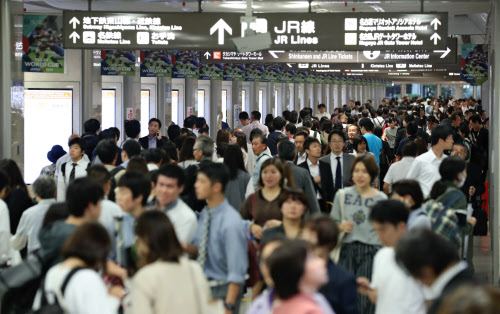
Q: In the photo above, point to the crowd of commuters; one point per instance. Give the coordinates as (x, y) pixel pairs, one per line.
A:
(364, 210)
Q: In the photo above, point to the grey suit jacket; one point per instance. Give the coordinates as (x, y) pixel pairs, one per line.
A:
(325, 171)
(303, 181)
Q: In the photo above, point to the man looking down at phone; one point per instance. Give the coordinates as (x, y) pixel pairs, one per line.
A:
(154, 139)
(392, 289)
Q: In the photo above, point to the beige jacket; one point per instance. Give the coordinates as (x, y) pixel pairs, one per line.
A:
(166, 287)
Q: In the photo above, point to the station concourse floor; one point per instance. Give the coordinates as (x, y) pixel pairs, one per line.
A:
(482, 264)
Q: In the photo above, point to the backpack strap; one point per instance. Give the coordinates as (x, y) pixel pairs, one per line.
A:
(116, 170)
(63, 170)
(88, 167)
(68, 278)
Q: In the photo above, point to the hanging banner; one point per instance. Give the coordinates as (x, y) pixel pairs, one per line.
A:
(213, 71)
(273, 72)
(474, 63)
(117, 62)
(42, 44)
(185, 64)
(234, 72)
(156, 63)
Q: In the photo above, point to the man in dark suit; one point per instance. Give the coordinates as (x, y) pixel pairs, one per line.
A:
(287, 151)
(433, 260)
(154, 139)
(313, 149)
(335, 168)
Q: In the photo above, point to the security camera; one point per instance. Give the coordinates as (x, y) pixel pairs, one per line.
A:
(254, 42)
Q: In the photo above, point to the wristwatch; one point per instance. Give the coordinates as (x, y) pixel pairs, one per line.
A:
(229, 306)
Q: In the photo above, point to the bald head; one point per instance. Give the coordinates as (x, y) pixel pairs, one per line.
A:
(72, 137)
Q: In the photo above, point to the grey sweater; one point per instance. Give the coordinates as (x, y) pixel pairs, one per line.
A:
(357, 210)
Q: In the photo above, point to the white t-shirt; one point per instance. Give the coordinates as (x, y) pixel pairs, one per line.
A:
(397, 292)
(109, 211)
(85, 293)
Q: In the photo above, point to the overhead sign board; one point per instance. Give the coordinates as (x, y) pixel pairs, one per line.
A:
(376, 67)
(445, 56)
(296, 31)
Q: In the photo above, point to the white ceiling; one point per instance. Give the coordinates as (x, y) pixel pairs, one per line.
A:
(453, 7)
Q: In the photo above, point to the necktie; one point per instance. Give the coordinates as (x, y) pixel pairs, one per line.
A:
(202, 254)
(72, 174)
(338, 175)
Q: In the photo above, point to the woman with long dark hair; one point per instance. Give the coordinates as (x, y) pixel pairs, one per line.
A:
(238, 177)
(239, 138)
(186, 156)
(17, 199)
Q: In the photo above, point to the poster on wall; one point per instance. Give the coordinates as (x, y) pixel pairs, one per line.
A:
(234, 72)
(474, 63)
(42, 44)
(255, 72)
(214, 71)
(273, 72)
(185, 64)
(156, 63)
(117, 62)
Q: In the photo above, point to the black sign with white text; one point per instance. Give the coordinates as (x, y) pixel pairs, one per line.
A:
(295, 31)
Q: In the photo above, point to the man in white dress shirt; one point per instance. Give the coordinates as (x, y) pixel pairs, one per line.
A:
(425, 168)
(397, 171)
(65, 158)
(75, 168)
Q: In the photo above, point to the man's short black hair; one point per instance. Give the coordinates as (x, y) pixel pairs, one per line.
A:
(304, 113)
(301, 133)
(78, 141)
(155, 120)
(279, 123)
(294, 116)
(367, 124)
(138, 183)
(475, 118)
(290, 127)
(190, 121)
(310, 140)
(321, 106)
(173, 132)
(243, 115)
(255, 133)
(172, 171)
(100, 174)
(216, 173)
(287, 150)
(390, 211)
(132, 128)
(409, 149)
(409, 187)
(425, 248)
(256, 115)
(439, 132)
(91, 126)
(408, 118)
(411, 128)
(451, 167)
(338, 132)
(154, 155)
(200, 122)
(132, 148)
(82, 192)
(106, 151)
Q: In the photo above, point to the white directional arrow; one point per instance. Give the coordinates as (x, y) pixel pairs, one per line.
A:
(274, 53)
(445, 52)
(435, 37)
(221, 26)
(74, 21)
(435, 22)
(289, 65)
(207, 55)
(74, 36)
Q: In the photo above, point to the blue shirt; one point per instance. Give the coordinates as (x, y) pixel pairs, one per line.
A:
(374, 145)
(152, 142)
(227, 248)
(128, 232)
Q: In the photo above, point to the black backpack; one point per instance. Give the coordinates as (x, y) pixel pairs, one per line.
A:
(54, 308)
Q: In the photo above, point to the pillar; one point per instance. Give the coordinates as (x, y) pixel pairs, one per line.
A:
(5, 79)
(296, 96)
(236, 101)
(132, 96)
(190, 90)
(92, 86)
(215, 120)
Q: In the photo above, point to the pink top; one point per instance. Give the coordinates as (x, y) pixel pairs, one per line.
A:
(299, 304)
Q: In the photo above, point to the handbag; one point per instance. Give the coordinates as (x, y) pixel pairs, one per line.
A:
(210, 307)
(335, 254)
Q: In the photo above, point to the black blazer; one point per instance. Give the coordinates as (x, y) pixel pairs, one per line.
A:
(316, 185)
(325, 171)
(144, 141)
(465, 277)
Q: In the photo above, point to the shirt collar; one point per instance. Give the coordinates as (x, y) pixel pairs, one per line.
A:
(218, 208)
(438, 286)
(47, 200)
(310, 164)
(408, 158)
(171, 205)
(332, 155)
(262, 154)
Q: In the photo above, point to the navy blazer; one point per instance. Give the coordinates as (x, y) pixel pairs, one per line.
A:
(144, 141)
(325, 171)
(341, 290)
